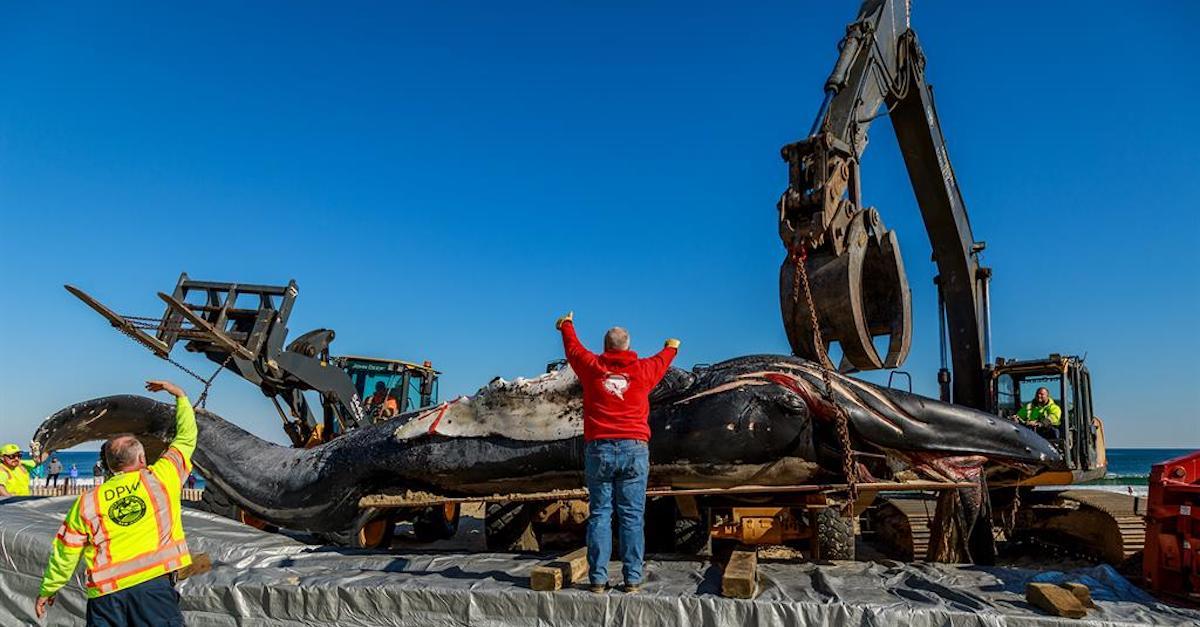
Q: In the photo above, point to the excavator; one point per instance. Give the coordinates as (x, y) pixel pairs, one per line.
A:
(843, 282)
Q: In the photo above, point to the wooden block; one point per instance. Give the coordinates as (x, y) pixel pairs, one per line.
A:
(201, 564)
(1055, 600)
(563, 570)
(574, 565)
(740, 580)
(1081, 592)
(546, 578)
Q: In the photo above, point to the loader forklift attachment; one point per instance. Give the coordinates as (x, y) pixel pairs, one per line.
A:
(243, 327)
(211, 333)
(125, 325)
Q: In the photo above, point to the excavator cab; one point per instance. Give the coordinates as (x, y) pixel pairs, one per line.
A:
(390, 387)
(1080, 437)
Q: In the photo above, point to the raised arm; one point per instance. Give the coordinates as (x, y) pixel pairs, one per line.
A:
(657, 364)
(179, 452)
(581, 359)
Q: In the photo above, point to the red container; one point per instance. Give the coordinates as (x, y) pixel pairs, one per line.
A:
(1171, 563)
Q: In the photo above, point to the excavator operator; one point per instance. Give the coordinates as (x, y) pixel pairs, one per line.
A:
(1043, 414)
(382, 404)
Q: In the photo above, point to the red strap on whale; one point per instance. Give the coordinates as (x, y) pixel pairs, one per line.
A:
(441, 412)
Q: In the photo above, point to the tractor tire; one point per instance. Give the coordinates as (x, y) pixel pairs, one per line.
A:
(508, 528)
(691, 535)
(834, 535)
(436, 523)
(667, 531)
(373, 529)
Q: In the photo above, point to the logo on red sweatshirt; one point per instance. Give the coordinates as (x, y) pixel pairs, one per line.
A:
(616, 384)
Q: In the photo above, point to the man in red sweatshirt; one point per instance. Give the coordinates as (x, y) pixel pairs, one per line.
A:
(616, 407)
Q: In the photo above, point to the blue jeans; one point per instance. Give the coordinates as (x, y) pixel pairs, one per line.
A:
(616, 472)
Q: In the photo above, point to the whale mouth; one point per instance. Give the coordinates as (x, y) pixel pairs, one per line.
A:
(102, 418)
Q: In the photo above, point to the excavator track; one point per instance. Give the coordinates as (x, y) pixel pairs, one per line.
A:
(1098, 523)
(902, 525)
(1090, 523)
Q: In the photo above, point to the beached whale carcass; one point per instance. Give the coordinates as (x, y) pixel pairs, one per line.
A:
(759, 420)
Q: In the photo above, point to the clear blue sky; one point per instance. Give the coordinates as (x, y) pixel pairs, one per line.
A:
(443, 179)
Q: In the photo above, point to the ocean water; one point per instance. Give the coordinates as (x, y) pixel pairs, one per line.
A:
(1129, 468)
(84, 460)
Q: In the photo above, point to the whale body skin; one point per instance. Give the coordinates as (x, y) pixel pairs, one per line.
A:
(759, 420)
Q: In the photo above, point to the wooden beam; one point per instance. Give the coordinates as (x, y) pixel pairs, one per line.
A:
(1055, 600)
(201, 563)
(564, 570)
(740, 579)
(1081, 592)
(426, 500)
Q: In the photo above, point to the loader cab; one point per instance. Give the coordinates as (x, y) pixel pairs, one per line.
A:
(411, 385)
(1081, 434)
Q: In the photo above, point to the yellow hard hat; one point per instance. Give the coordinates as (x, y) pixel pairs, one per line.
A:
(10, 449)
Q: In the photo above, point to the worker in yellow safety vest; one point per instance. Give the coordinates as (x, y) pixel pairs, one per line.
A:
(129, 531)
(14, 471)
(1042, 413)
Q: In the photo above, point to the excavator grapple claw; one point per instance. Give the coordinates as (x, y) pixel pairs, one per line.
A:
(858, 294)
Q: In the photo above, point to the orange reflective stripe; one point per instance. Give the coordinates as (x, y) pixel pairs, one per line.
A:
(162, 557)
(161, 504)
(73, 543)
(70, 537)
(176, 459)
(89, 510)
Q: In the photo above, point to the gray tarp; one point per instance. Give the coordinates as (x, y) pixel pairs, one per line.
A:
(268, 579)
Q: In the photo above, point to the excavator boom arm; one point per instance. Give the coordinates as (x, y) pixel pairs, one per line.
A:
(859, 287)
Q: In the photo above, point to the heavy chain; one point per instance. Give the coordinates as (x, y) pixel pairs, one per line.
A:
(841, 420)
(207, 382)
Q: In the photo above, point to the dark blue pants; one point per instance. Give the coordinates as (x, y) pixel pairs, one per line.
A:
(616, 472)
(151, 603)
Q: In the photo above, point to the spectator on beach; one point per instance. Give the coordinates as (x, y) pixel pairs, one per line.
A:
(53, 470)
(616, 407)
(74, 477)
(191, 482)
(98, 473)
